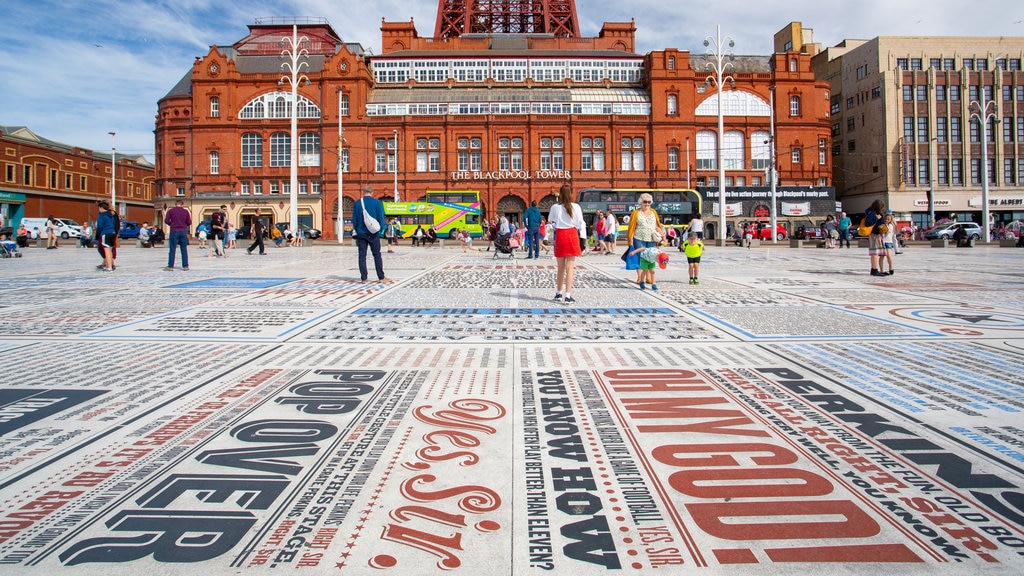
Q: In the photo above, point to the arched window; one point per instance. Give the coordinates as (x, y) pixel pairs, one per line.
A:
(792, 64)
(280, 149)
(732, 151)
(672, 105)
(673, 158)
(214, 107)
(276, 105)
(734, 103)
(707, 145)
(252, 150)
(309, 149)
(760, 150)
(279, 107)
(794, 105)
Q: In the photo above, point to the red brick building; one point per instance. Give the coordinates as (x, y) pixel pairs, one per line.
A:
(41, 177)
(513, 115)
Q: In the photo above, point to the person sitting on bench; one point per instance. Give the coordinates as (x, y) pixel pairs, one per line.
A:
(961, 237)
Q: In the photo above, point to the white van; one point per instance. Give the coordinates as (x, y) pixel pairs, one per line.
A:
(65, 227)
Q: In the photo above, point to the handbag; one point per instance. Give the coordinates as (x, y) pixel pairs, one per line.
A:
(369, 221)
(513, 242)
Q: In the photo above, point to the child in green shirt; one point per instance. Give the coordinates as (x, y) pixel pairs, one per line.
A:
(694, 248)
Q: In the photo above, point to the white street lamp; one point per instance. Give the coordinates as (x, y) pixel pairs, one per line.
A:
(718, 67)
(397, 196)
(341, 170)
(981, 111)
(113, 171)
(774, 173)
(294, 68)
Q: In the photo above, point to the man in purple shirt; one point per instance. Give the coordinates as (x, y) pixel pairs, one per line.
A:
(180, 221)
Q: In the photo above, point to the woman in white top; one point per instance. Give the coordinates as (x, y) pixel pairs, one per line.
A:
(567, 218)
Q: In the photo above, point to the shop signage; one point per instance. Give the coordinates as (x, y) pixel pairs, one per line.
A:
(512, 175)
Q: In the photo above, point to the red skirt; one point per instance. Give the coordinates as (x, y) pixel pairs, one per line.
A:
(567, 242)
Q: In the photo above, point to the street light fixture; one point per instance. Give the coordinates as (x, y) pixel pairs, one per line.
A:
(341, 170)
(397, 196)
(718, 67)
(113, 171)
(981, 111)
(774, 174)
(294, 68)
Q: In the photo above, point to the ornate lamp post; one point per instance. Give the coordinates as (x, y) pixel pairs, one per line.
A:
(294, 68)
(113, 171)
(982, 110)
(719, 69)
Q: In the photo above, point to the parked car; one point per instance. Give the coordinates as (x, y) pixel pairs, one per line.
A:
(946, 231)
(764, 231)
(65, 228)
(128, 230)
(307, 232)
(808, 231)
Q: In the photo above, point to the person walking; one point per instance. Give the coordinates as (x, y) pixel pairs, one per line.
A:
(697, 226)
(873, 218)
(889, 241)
(51, 233)
(831, 231)
(366, 239)
(644, 231)
(611, 231)
(218, 222)
(844, 229)
(567, 218)
(533, 220)
(600, 225)
(180, 222)
(257, 228)
(106, 235)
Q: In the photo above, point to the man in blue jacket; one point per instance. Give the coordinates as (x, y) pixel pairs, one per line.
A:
(366, 239)
(533, 220)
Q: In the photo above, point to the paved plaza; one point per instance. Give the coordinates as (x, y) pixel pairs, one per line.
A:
(791, 414)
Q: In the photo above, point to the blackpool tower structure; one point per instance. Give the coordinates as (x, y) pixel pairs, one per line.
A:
(458, 17)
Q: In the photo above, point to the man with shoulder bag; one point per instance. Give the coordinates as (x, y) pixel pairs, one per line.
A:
(367, 216)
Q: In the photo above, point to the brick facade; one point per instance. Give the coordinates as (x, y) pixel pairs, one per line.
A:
(41, 177)
(200, 121)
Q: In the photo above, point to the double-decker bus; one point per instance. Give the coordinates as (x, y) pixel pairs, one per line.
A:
(445, 210)
(675, 206)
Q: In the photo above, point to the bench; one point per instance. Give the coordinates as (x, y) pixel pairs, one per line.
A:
(863, 243)
(1007, 243)
(794, 243)
(940, 243)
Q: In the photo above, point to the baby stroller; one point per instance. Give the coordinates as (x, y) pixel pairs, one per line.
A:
(9, 249)
(503, 245)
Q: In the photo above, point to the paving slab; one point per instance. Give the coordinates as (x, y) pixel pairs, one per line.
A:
(791, 414)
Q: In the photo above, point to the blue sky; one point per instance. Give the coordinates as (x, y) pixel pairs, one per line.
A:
(74, 70)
